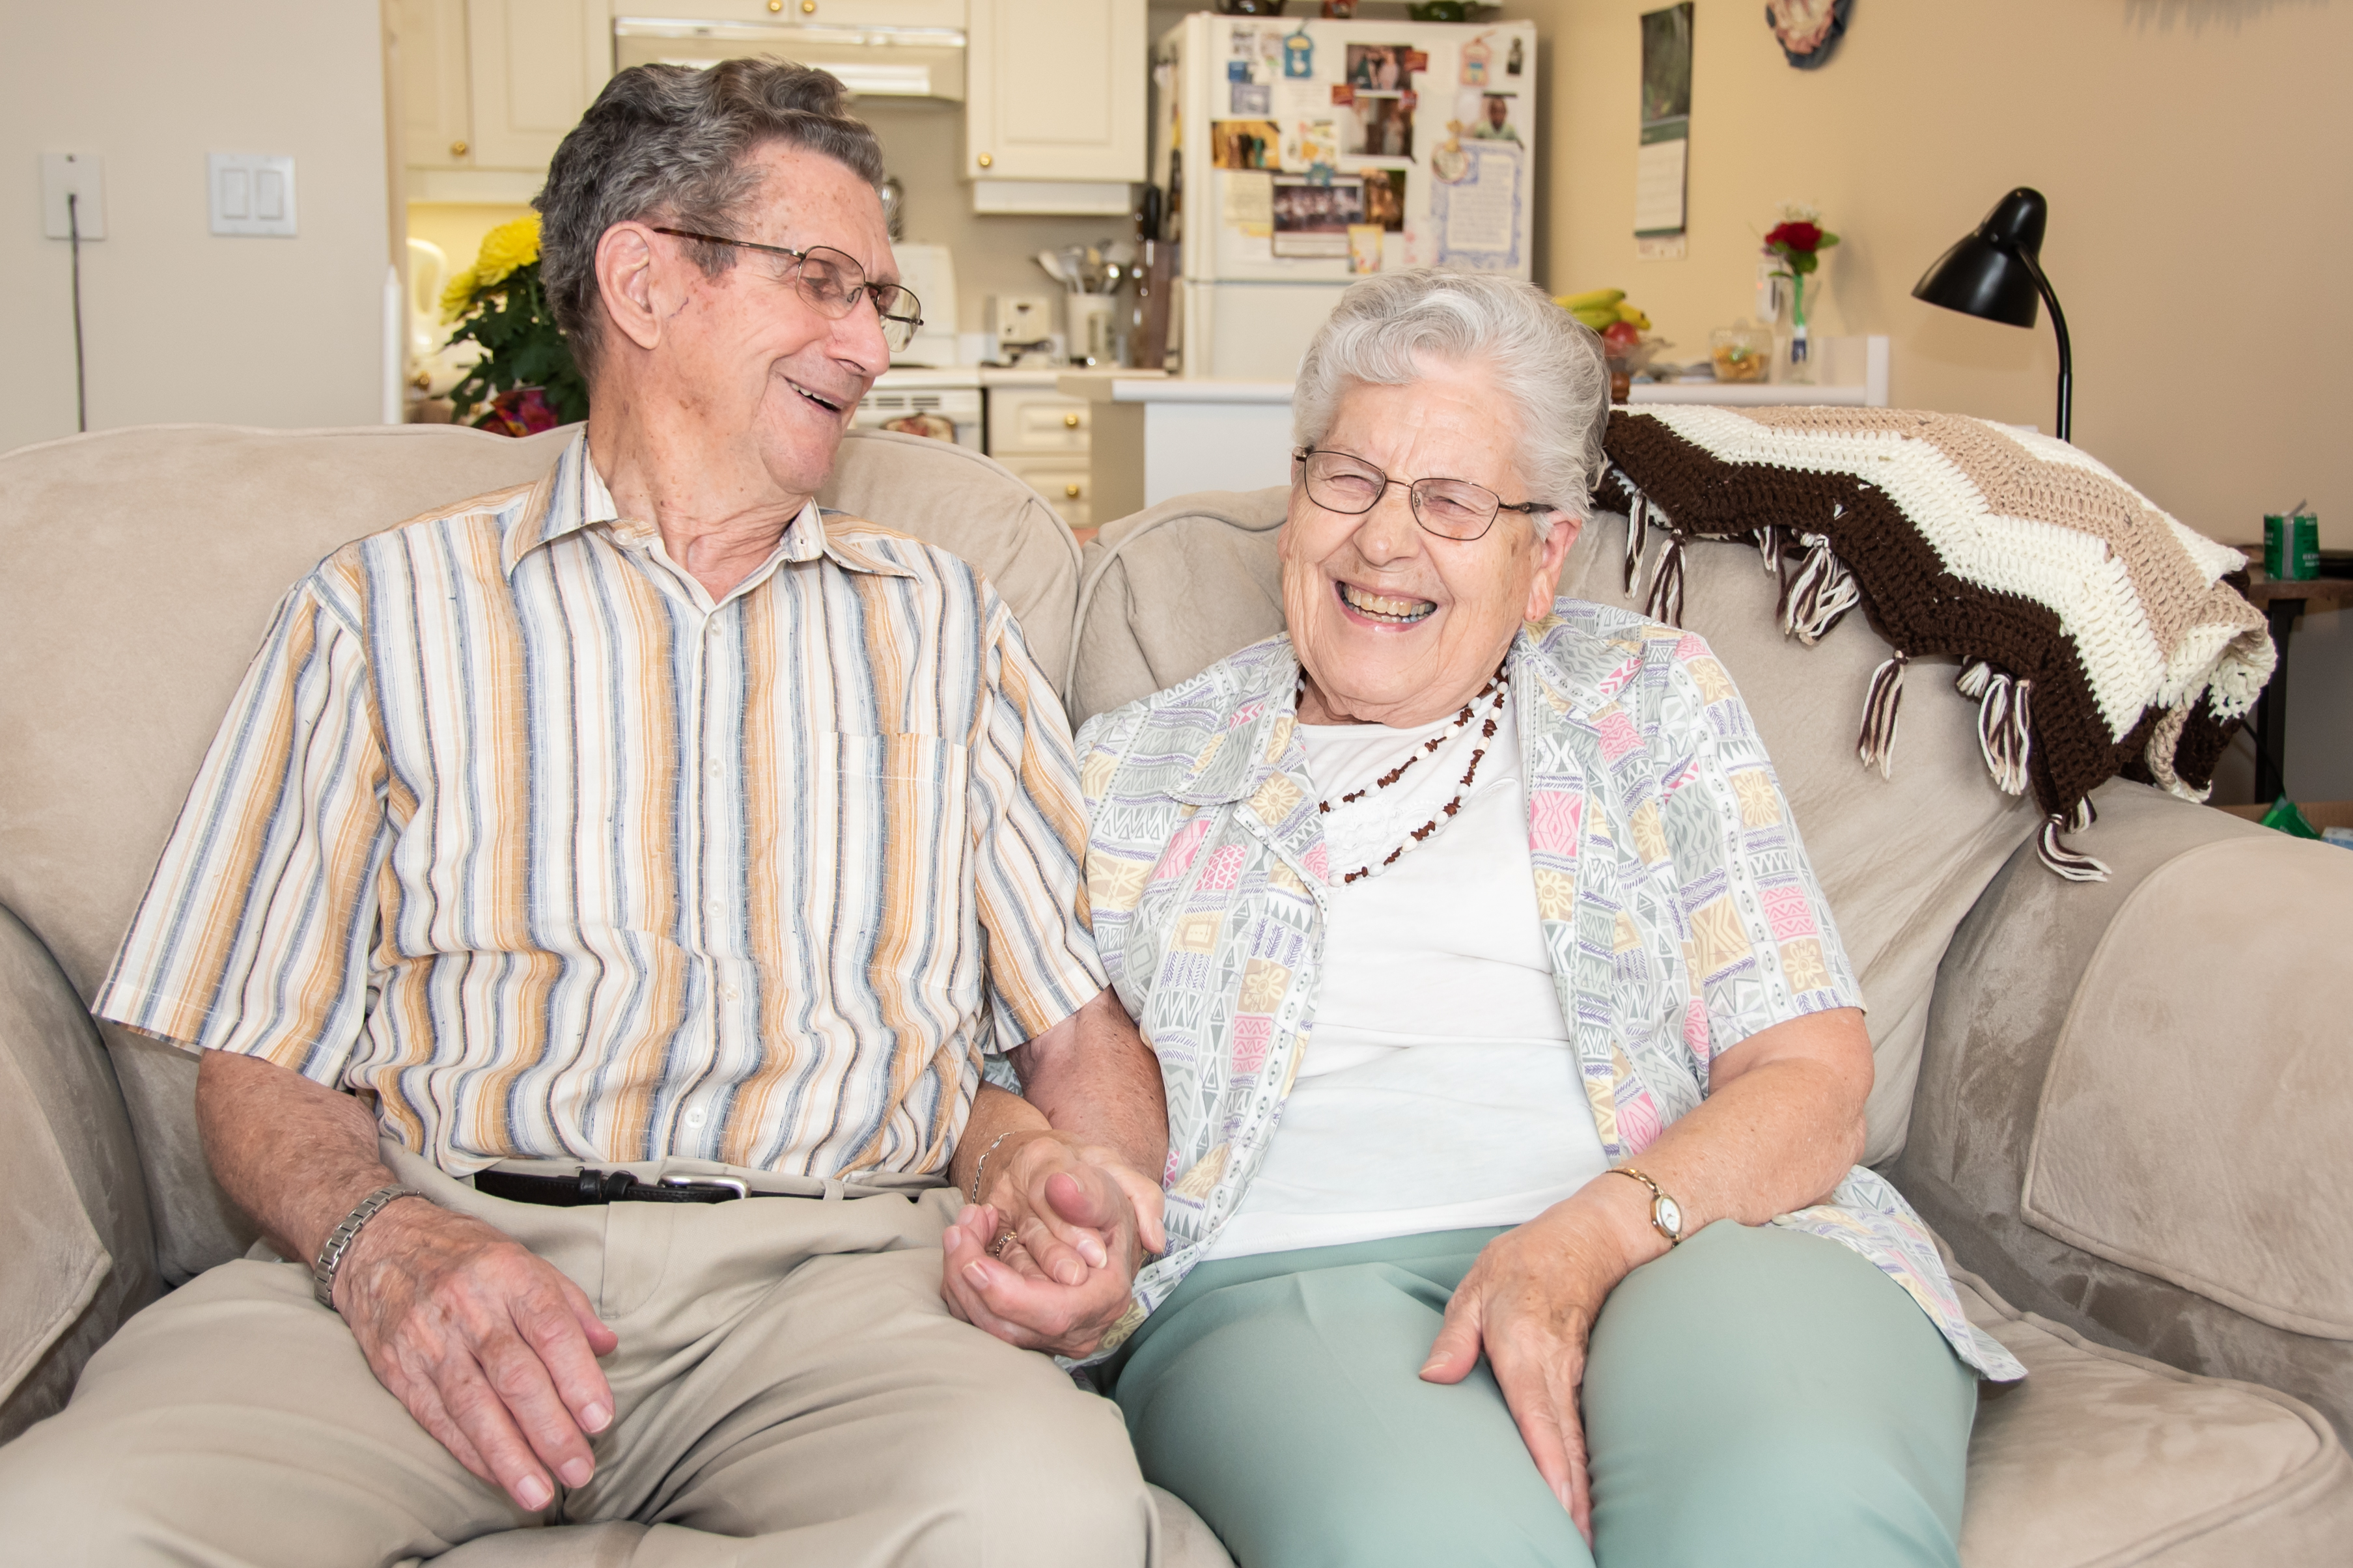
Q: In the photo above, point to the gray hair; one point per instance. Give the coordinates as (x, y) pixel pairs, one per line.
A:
(1547, 367)
(671, 142)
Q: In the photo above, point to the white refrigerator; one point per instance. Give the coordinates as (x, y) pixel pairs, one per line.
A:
(1295, 156)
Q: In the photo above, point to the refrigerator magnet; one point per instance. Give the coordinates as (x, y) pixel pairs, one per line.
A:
(1299, 54)
(1252, 101)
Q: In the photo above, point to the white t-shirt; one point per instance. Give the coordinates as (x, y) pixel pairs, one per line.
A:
(1439, 1089)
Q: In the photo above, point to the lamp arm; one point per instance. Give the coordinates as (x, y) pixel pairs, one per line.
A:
(2066, 357)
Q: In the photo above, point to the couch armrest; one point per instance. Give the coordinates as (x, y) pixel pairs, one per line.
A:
(2131, 1099)
(80, 1256)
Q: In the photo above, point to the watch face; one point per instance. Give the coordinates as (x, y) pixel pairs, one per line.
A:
(1668, 1215)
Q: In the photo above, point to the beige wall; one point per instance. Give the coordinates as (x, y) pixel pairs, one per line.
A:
(2196, 156)
(181, 324)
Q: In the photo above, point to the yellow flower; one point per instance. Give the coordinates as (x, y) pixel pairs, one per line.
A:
(507, 246)
(457, 296)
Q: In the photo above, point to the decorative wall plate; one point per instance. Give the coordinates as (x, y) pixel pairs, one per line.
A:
(1808, 30)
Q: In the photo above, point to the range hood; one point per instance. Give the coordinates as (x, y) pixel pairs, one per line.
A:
(874, 61)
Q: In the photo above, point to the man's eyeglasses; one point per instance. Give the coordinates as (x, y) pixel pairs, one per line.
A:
(833, 282)
(1450, 509)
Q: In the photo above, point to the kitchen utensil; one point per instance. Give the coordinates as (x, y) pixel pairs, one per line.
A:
(1090, 318)
(1051, 262)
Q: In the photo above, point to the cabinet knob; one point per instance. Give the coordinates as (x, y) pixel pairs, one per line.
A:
(1069, 421)
(1072, 491)
(458, 149)
(808, 8)
(984, 161)
(775, 5)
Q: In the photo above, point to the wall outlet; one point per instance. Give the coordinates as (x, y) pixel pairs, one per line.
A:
(252, 194)
(83, 175)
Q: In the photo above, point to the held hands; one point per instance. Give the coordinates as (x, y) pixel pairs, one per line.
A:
(1530, 1303)
(492, 1349)
(1082, 1222)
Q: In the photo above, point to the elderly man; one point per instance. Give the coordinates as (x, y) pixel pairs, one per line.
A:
(596, 915)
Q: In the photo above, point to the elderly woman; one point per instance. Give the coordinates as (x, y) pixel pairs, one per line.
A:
(1503, 1021)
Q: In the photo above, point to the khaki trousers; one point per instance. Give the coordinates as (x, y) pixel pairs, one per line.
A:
(788, 1389)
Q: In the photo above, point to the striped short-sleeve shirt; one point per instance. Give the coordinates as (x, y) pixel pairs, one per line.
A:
(515, 829)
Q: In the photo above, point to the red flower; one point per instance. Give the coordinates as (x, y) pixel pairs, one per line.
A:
(1804, 237)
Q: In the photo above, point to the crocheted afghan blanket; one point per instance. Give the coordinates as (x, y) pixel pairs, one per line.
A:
(2093, 629)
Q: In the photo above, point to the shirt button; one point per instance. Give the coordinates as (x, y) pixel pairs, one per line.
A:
(717, 905)
(717, 767)
(696, 1117)
(730, 993)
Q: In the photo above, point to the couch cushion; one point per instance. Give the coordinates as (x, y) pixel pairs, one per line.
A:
(2154, 1087)
(2104, 1458)
(1172, 590)
(143, 565)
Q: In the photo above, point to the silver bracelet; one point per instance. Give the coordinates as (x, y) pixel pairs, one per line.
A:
(339, 1240)
(982, 1163)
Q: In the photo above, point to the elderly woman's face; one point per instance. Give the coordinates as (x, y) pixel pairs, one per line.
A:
(1396, 624)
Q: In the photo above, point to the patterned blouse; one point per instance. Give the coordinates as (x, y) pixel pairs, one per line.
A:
(1677, 903)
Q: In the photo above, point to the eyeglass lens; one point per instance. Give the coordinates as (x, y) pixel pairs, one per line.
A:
(1452, 509)
(830, 282)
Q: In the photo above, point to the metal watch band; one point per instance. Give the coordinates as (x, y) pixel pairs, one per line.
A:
(339, 1240)
(1666, 1214)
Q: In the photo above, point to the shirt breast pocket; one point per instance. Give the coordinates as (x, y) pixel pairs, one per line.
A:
(901, 845)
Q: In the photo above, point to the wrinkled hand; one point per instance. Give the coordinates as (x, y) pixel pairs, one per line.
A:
(1081, 1221)
(490, 1348)
(1530, 1301)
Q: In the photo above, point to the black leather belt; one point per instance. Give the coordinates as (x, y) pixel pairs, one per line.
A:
(595, 1186)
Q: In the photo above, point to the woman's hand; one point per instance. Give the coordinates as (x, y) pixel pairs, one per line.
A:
(1076, 1223)
(1529, 1303)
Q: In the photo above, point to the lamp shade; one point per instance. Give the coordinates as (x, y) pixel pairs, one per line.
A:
(1990, 273)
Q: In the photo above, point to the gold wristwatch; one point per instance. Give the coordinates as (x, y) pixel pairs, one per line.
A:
(1666, 1214)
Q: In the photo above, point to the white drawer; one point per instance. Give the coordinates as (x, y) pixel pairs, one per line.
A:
(1066, 486)
(1024, 420)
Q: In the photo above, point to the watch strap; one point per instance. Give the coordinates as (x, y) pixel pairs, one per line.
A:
(339, 1240)
(1662, 1205)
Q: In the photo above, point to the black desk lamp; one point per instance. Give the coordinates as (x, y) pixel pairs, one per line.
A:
(1996, 273)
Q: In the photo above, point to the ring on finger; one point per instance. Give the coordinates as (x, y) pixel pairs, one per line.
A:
(1004, 1238)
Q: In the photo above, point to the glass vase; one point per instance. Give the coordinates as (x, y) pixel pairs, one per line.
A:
(1798, 359)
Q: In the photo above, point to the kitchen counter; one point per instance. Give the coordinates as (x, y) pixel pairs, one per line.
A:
(1157, 436)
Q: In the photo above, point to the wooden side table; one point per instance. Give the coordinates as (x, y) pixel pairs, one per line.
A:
(2282, 603)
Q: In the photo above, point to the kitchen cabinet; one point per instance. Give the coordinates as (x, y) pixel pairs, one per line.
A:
(814, 13)
(1042, 436)
(437, 124)
(493, 85)
(1054, 104)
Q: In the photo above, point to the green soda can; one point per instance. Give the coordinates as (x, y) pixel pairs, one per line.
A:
(2291, 545)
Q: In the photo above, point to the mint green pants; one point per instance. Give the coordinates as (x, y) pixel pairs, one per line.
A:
(1756, 1398)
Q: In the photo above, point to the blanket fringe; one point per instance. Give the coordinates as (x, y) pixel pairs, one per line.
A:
(1818, 594)
(1666, 601)
(1876, 744)
(1637, 530)
(2005, 725)
(2068, 862)
(1769, 543)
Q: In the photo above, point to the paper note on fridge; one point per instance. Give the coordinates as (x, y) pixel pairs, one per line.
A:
(1249, 201)
(1479, 215)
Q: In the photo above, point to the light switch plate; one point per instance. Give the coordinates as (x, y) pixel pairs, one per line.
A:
(252, 194)
(84, 175)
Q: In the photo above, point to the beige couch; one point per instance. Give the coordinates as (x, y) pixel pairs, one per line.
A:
(2121, 1102)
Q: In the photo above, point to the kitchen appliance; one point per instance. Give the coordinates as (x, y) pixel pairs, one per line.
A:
(914, 57)
(1317, 152)
(1018, 322)
(946, 403)
(929, 272)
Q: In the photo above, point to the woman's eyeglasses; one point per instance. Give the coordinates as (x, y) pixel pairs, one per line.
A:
(1450, 509)
(833, 282)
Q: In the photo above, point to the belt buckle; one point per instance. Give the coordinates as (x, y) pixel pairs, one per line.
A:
(735, 1185)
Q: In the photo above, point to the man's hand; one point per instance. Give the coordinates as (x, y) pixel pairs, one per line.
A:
(492, 1349)
(1530, 1303)
(1080, 1222)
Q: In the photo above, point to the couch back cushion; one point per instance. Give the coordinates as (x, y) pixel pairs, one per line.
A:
(143, 565)
(1176, 588)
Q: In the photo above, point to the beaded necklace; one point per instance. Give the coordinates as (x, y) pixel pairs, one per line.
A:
(1498, 687)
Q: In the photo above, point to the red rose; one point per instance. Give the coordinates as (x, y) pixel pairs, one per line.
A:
(1795, 236)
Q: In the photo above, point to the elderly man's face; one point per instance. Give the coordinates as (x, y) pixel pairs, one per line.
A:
(1395, 624)
(758, 356)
